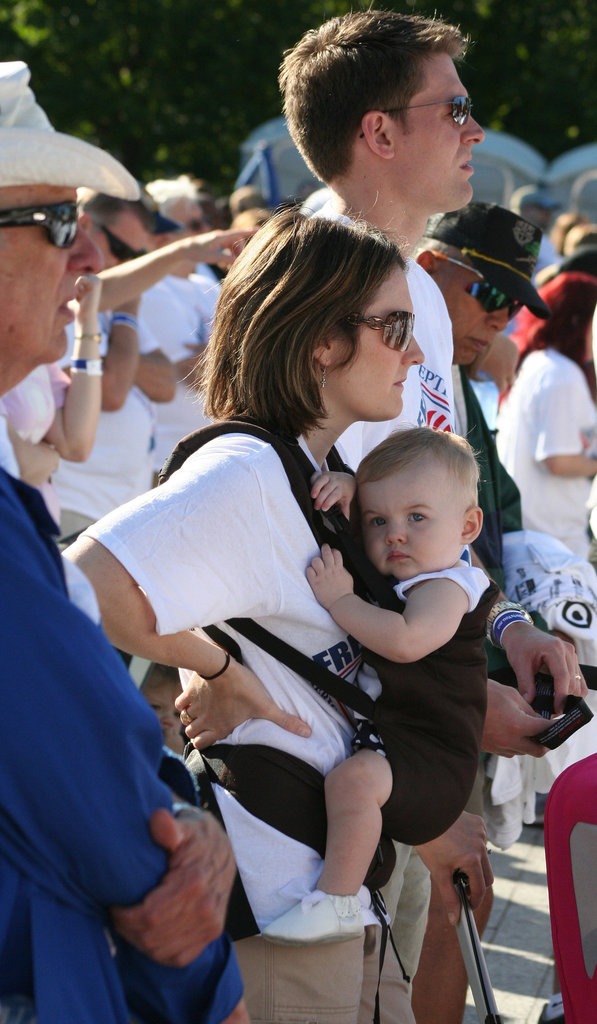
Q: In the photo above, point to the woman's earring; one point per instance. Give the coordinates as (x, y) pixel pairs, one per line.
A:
(323, 378)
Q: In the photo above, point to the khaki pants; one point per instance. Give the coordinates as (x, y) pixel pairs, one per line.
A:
(327, 983)
(407, 901)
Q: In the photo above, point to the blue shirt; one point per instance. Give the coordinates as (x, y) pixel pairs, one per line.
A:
(80, 757)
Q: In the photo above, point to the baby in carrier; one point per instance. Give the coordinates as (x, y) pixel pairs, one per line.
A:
(413, 768)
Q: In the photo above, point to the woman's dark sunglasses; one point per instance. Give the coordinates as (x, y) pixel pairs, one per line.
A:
(492, 299)
(119, 249)
(59, 220)
(397, 328)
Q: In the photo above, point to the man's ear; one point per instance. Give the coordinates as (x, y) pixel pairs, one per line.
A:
(378, 131)
(427, 261)
(472, 525)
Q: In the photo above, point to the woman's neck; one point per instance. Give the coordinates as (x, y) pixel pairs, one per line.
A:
(319, 441)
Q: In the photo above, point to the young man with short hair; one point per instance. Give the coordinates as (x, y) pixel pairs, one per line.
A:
(376, 107)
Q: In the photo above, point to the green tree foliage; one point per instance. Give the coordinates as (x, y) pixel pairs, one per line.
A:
(532, 69)
(176, 85)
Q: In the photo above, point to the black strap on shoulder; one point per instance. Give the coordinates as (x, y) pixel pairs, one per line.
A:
(283, 444)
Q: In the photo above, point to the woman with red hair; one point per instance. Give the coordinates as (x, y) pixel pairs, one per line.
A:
(548, 422)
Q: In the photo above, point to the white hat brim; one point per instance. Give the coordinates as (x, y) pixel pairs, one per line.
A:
(32, 157)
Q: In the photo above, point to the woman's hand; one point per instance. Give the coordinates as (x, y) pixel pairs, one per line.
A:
(36, 462)
(210, 710)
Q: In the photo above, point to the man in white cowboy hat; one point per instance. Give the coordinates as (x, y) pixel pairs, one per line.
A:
(112, 907)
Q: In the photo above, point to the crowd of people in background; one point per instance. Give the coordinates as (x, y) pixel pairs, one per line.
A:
(329, 325)
(151, 350)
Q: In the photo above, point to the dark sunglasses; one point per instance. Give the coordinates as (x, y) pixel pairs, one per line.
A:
(59, 220)
(397, 328)
(461, 108)
(119, 249)
(492, 299)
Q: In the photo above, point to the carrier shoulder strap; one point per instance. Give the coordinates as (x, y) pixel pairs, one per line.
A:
(286, 447)
(330, 528)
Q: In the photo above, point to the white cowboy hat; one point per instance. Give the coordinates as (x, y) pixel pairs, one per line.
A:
(33, 153)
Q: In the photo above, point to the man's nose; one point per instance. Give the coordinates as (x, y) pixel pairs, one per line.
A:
(473, 132)
(499, 318)
(84, 256)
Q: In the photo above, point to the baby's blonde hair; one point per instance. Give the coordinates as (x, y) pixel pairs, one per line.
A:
(406, 448)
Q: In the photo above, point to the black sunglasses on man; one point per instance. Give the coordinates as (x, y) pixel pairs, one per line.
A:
(58, 219)
(119, 249)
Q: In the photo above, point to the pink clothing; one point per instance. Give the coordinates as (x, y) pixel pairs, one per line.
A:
(31, 407)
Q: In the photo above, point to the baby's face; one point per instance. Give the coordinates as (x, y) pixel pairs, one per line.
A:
(413, 521)
(160, 693)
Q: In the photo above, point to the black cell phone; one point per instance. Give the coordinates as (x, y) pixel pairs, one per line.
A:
(576, 713)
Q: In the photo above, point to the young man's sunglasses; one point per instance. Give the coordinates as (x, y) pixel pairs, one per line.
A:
(492, 299)
(461, 108)
(59, 220)
(119, 249)
(397, 328)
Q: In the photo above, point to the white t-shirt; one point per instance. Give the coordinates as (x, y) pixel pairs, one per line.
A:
(549, 411)
(428, 398)
(428, 391)
(472, 580)
(120, 465)
(225, 537)
(179, 310)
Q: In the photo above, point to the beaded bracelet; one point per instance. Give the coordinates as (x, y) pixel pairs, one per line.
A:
(502, 615)
(92, 367)
(125, 320)
(222, 670)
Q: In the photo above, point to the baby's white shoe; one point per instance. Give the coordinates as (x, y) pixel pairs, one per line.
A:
(323, 919)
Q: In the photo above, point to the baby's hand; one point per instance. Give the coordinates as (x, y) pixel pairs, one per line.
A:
(328, 578)
(88, 289)
(329, 489)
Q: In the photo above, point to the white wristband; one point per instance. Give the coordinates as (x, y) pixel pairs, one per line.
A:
(92, 367)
